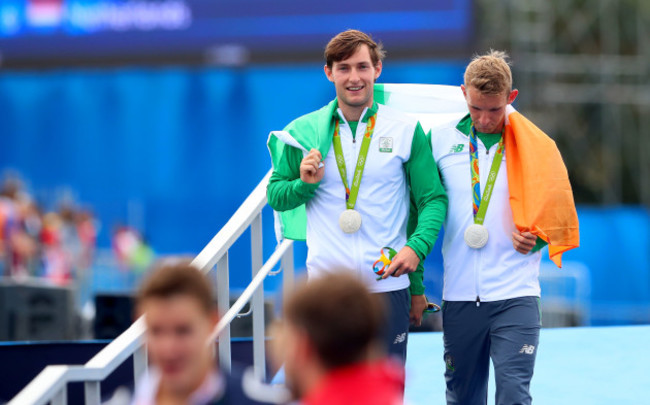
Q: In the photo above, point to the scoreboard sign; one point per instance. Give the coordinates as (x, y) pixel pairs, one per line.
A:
(78, 30)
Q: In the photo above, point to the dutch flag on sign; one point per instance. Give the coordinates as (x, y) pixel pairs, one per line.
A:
(44, 13)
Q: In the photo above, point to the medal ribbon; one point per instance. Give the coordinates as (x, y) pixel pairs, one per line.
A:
(351, 194)
(480, 204)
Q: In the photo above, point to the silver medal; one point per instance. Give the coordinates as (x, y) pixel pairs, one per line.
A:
(476, 236)
(350, 221)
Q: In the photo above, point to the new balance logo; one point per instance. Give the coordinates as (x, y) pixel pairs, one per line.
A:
(457, 148)
(528, 349)
(400, 338)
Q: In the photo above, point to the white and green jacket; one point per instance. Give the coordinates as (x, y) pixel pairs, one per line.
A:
(396, 174)
(496, 271)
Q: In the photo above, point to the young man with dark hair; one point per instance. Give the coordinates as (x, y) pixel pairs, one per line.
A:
(180, 316)
(343, 179)
(328, 344)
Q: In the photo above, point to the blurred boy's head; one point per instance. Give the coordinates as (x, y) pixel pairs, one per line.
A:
(180, 316)
(328, 323)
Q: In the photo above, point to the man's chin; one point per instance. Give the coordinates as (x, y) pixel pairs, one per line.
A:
(486, 130)
(175, 380)
(356, 102)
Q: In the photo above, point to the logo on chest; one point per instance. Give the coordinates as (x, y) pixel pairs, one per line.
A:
(457, 148)
(386, 144)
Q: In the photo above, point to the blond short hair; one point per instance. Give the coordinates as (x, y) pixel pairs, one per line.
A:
(489, 73)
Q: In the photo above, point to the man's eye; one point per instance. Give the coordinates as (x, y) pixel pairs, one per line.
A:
(183, 330)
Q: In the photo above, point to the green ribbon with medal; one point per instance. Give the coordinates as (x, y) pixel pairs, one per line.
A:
(350, 219)
(476, 235)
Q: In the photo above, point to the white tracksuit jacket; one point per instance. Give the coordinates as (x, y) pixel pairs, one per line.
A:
(497, 271)
(383, 194)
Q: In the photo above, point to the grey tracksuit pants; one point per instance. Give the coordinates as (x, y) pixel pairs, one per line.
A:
(507, 332)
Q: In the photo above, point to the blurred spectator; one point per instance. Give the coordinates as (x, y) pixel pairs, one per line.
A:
(87, 231)
(56, 266)
(181, 316)
(19, 248)
(131, 249)
(329, 345)
(56, 245)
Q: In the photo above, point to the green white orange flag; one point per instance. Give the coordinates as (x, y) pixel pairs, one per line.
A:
(311, 131)
(540, 193)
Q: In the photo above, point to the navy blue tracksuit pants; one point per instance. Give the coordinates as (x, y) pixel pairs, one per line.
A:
(395, 335)
(507, 332)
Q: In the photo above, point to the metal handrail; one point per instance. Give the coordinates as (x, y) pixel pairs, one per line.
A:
(252, 287)
(50, 385)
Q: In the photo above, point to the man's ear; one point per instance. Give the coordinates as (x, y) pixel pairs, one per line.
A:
(304, 348)
(378, 70)
(512, 96)
(462, 87)
(328, 73)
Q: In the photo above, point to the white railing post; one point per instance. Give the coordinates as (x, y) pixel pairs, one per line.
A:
(287, 271)
(257, 301)
(61, 397)
(223, 302)
(139, 364)
(92, 393)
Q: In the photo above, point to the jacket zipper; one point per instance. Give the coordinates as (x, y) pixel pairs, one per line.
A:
(355, 157)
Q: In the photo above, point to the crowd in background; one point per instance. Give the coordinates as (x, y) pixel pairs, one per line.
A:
(58, 245)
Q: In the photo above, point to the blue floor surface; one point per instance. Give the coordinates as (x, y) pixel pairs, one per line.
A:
(599, 365)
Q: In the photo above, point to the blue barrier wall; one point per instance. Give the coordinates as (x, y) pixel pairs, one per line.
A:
(615, 247)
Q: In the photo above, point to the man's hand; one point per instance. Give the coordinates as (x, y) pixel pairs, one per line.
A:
(310, 172)
(405, 261)
(523, 241)
(418, 305)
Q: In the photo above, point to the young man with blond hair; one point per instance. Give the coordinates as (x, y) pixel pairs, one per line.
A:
(491, 264)
(353, 167)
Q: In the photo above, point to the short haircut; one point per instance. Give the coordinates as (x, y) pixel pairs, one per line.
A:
(346, 44)
(489, 73)
(340, 317)
(179, 279)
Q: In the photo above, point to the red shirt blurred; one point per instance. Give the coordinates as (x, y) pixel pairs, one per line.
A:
(372, 383)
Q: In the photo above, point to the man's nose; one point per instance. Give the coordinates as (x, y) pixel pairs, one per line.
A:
(483, 119)
(354, 75)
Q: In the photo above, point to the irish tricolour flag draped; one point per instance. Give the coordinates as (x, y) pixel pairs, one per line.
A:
(430, 104)
(540, 193)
